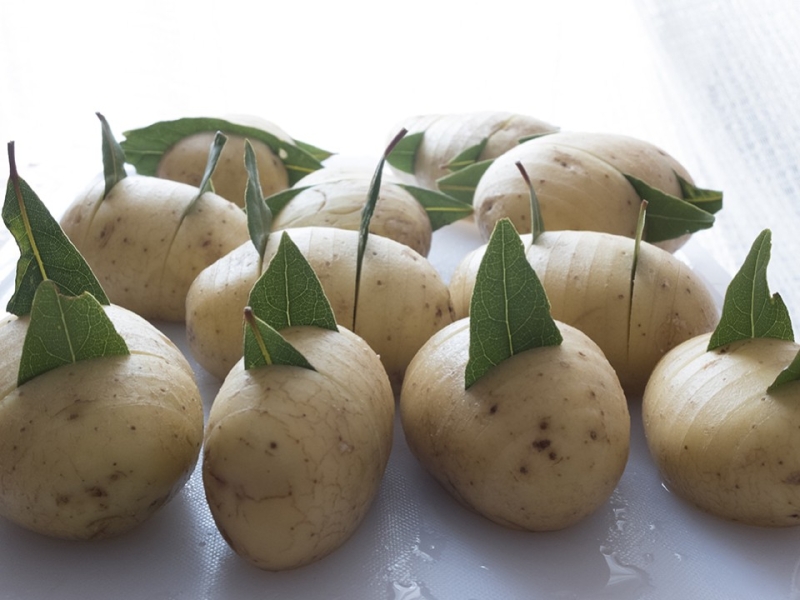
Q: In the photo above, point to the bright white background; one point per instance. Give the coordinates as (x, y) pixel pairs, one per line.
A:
(711, 82)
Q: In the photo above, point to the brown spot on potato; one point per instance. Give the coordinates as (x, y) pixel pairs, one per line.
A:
(541, 445)
(792, 478)
(493, 409)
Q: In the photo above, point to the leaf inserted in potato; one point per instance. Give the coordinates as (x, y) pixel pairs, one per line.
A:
(461, 184)
(440, 208)
(113, 158)
(45, 251)
(259, 215)
(289, 292)
(668, 216)
(509, 310)
(366, 216)
(64, 330)
(144, 147)
(264, 346)
(749, 311)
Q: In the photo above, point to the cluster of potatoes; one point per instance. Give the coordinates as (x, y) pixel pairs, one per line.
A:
(292, 460)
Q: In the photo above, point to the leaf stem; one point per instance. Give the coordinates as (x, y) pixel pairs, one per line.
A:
(250, 319)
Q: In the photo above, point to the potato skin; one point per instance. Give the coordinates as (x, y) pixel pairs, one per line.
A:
(718, 438)
(403, 299)
(538, 443)
(186, 162)
(398, 215)
(91, 450)
(586, 276)
(579, 179)
(293, 458)
(137, 246)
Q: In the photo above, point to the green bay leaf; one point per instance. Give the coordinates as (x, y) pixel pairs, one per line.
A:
(440, 208)
(509, 310)
(264, 346)
(461, 184)
(749, 311)
(366, 216)
(64, 330)
(278, 201)
(789, 374)
(259, 215)
(145, 146)
(669, 217)
(289, 293)
(404, 153)
(707, 200)
(206, 184)
(113, 158)
(468, 156)
(45, 250)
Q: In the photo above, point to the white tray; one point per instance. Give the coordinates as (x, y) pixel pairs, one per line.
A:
(418, 543)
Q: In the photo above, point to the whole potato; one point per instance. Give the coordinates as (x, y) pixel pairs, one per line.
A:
(538, 443)
(402, 301)
(293, 457)
(91, 449)
(142, 249)
(587, 278)
(580, 182)
(719, 438)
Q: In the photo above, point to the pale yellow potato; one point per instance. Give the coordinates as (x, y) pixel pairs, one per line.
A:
(186, 161)
(579, 180)
(718, 438)
(339, 203)
(293, 458)
(586, 276)
(402, 301)
(446, 136)
(538, 443)
(144, 256)
(90, 450)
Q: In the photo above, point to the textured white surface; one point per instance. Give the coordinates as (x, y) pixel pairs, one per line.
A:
(715, 83)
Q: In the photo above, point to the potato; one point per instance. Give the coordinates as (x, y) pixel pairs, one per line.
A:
(339, 203)
(538, 443)
(143, 252)
(186, 162)
(580, 183)
(447, 136)
(402, 301)
(587, 278)
(92, 449)
(293, 458)
(720, 440)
